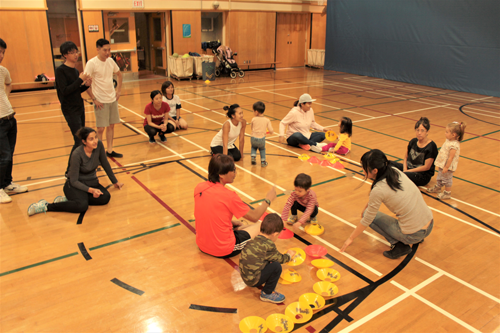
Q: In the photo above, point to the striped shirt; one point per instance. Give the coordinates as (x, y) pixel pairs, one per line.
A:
(309, 200)
(5, 106)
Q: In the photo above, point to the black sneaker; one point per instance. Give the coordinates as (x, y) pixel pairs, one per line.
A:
(397, 250)
(163, 138)
(114, 154)
(254, 162)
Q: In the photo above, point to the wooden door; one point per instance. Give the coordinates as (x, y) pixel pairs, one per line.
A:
(291, 39)
(282, 39)
(158, 54)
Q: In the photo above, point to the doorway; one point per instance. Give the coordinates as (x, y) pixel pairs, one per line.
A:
(151, 44)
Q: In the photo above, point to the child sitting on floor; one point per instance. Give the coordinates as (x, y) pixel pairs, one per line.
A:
(343, 145)
(260, 261)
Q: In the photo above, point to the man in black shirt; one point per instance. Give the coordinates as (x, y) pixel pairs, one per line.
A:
(70, 84)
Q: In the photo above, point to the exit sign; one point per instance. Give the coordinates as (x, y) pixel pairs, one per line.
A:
(138, 3)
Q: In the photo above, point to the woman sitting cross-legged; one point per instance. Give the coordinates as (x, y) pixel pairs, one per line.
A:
(82, 189)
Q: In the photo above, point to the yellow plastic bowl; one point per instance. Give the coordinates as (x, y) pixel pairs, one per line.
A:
(328, 274)
(314, 229)
(291, 275)
(300, 312)
(278, 322)
(331, 135)
(282, 281)
(315, 301)
(325, 288)
(322, 263)
(253, 324)
(298, 258)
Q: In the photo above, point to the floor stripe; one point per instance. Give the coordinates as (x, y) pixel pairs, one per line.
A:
(39, 264)
(127, 287)
(84, 251)
(212, 309)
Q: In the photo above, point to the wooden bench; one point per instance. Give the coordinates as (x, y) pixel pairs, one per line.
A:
(273, 65)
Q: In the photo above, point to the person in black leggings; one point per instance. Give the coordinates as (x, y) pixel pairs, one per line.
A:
(82, 187)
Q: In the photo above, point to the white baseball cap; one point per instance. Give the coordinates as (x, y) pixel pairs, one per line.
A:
(305, 98)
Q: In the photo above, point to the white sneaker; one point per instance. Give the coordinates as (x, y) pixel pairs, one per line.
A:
(38, 207)
(4, 197)
(316, 149)
(321, 144)
(16, 188)
(60, 198)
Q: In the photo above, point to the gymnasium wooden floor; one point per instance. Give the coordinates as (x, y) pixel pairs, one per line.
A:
(145, 236)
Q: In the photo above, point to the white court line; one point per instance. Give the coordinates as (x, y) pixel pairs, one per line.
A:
(162, 158)
(390, 304)
(431, 107)
(25, 113)
(58, 116)
(354, 259)
(45, 181)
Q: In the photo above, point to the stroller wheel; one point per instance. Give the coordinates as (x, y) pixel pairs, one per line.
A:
(241, 73)
(217, 72)
(232, 75)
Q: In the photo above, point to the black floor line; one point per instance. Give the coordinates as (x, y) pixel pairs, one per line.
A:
(84, 251)
(127, 287)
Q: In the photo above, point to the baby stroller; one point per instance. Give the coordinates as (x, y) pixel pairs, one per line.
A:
(227, 64)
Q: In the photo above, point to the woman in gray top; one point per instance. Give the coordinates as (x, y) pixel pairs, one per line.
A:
(402, 197)
(82, 187)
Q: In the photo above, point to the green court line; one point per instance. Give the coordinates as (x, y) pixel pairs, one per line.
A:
(321, 183)
(39, 263)
(191, 220)
(132, 237)
(468, 181)
(477, 137)
(92, 248)
(468, 158)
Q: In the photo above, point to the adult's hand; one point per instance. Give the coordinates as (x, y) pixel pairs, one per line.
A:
(236, 223)
(84, 76)
(118, 185)
(98, 105)
(118, 93)
(271, 195)
(282, 139)
(177, 124)
(88, 82)
(95, 192)
(163, 127)
(346, 244)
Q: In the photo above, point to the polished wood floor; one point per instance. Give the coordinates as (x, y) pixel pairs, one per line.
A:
(144, 236)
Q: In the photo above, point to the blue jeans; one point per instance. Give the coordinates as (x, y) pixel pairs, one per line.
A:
(388, 227)
(258, 144)
(8, 137)
(297, 139)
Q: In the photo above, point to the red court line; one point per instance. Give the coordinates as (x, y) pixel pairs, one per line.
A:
(173, 212)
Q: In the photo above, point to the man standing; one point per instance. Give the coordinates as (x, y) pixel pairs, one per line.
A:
(70, 85)
(8, 134)
(101, 69)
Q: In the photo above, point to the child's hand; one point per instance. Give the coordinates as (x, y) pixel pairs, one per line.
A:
(296, 226)
(291, 253)
(445, 169)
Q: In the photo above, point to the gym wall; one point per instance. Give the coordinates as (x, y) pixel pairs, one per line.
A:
(452, 44)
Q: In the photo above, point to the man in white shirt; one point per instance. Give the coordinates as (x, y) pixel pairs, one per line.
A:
(8, 134)
(101, 68)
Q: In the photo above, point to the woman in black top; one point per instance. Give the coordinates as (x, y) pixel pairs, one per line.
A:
(418, 163)
(82, 187)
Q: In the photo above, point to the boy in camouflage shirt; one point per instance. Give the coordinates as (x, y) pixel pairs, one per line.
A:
(260, 261)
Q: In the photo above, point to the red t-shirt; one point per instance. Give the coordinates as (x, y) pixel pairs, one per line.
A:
(214, 209)
(156, 115)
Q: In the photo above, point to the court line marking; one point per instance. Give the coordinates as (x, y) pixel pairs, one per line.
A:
(51, 110)
(58, 116)
(332, 246)
(252, 199)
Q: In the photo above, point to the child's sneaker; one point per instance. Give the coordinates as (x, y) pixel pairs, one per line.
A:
(313, 220)
(4, 197)
(60, 198)
(434, 189)
(316, 149)
(305, 147)
(16, 188)
(445, 195)
(273, 297)
(263, 163)
(254, 162)
(292, 219)
(38, 207)
(163, 138)
(152, 141)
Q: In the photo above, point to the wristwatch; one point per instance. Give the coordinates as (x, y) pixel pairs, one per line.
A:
(268, 202)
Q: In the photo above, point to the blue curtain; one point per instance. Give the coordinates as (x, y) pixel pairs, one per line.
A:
(451, 44)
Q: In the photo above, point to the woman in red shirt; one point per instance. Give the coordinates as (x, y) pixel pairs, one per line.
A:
(217, 233)
(156, 117)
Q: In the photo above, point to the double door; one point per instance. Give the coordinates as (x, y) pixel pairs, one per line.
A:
(292, 39)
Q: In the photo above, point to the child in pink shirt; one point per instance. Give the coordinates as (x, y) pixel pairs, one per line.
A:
(259, 126)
